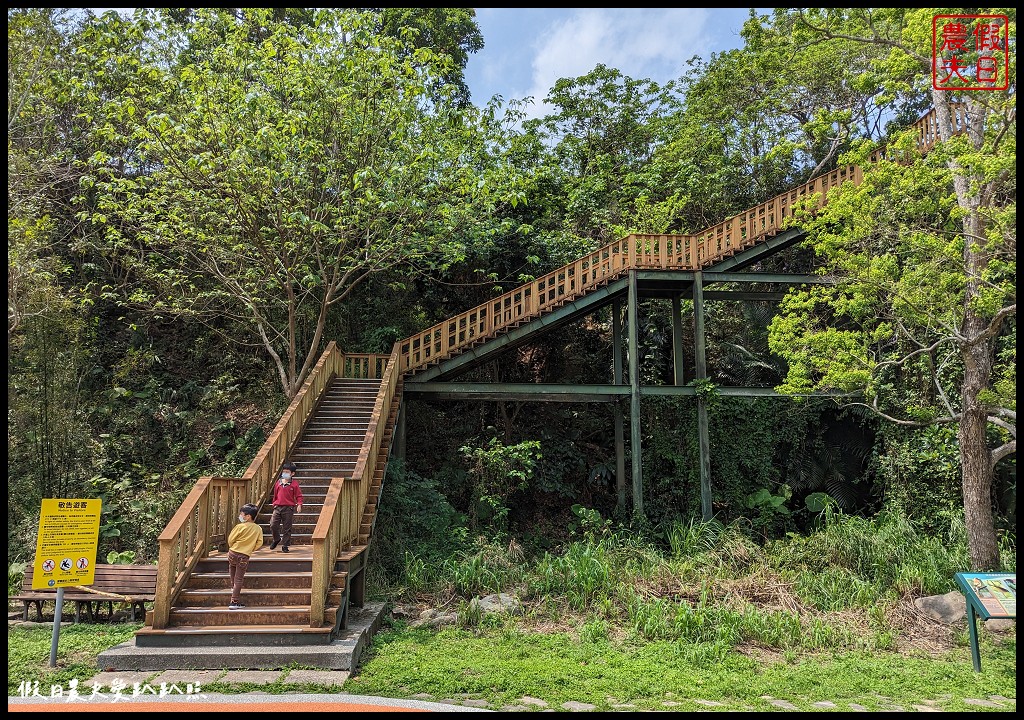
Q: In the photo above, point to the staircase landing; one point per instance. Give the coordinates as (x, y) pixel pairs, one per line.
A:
(340, 654)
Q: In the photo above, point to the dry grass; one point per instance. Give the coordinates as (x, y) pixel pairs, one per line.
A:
(914, 631)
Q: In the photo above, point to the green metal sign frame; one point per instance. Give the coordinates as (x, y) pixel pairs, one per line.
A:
(989, 595)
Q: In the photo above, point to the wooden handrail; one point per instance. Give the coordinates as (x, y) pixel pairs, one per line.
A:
(338, 524)
(364, 365)
(666, 252)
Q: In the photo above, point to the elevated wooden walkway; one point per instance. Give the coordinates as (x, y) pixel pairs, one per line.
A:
(340, 426)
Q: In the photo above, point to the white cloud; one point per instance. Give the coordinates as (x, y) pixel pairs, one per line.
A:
(641, 43)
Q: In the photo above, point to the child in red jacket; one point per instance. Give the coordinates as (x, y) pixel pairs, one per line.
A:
(287, 500)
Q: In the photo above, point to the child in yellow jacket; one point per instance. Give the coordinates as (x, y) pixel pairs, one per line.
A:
(245, 539)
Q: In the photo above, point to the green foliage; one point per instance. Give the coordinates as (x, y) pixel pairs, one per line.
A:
(497, 472)
(316, 186)
(855, 561)
(416, 527)
(232, 210)
(581, 575)
(15, 576)
(590, 524)
(125, 557)
(920, 472)
(28, 653)
(766, 508)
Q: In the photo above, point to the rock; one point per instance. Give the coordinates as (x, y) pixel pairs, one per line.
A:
(950, 608)
(435, 620)
(500, 603)
(403, 611)
(1000, 625)
(573, 706)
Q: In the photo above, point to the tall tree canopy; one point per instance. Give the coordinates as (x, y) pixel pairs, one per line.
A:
(923, 321)
(271, 178)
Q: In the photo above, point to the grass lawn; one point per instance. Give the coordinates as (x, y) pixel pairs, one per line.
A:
(501, 665)
(28, 653)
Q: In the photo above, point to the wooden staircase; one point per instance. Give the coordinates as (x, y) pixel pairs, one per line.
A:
(279, 587)
(328, 448)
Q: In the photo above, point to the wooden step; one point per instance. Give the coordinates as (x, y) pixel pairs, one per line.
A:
(252, 597)
(254, 580)
(266, 636)
(258, 615)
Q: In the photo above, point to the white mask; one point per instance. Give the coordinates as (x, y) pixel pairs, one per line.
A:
(286, 475)
(241, 518)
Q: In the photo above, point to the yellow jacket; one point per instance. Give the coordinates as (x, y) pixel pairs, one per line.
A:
(245, 538)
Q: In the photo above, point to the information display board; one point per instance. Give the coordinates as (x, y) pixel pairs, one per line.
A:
(989, 595)
(69, 531)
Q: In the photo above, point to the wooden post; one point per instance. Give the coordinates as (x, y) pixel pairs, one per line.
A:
(702, 409)
(620, 438)
(357, 591)
(634, 397)
(399, 450)
(677, 341)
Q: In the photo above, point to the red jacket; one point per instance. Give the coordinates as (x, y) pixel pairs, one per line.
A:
(290, 494)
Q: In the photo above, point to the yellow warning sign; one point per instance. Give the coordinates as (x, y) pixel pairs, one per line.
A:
(66, 545)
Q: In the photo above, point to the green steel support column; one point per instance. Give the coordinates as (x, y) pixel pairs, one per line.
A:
(634, 398)
(620, 437)
(702, 409)
(677, 341)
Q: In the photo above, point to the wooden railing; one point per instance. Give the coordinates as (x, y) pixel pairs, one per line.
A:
(342, 513)
(208, 512)
(634, 252)
(364, 365)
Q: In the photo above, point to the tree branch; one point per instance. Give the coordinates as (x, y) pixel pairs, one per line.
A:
(1002, 451)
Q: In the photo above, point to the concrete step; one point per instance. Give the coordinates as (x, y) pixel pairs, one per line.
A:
(250, 640)
(239, 647)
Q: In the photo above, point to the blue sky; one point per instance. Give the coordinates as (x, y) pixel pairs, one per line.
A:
(527, 49)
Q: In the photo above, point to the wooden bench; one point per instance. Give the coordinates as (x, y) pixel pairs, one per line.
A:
(136, 584)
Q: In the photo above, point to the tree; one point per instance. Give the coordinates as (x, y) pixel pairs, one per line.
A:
(449, 32)
(923, 322)
(36, 170)
(269, 179)
(598, 143)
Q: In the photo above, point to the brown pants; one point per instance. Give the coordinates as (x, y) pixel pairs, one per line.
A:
(281, 523)
(237, 565)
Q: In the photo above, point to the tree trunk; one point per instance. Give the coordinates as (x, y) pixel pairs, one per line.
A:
(977, 349)
(975, 456)
(976, 461)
